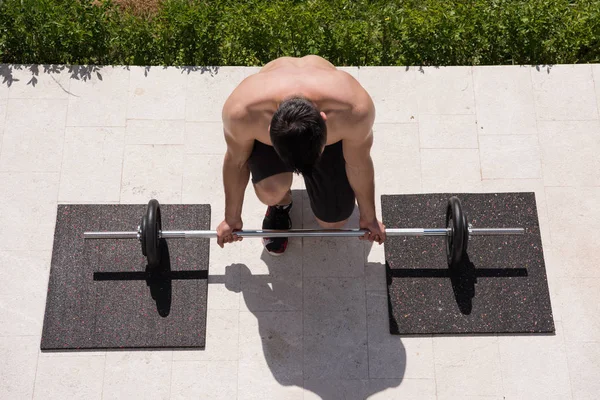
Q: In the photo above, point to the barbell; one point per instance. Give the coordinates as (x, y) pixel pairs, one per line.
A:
(457, 232)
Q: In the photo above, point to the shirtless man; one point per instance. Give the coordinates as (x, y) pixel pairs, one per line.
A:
(305, 116)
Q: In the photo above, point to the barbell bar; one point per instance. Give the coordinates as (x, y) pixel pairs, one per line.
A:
(457, 232)
(303, 233)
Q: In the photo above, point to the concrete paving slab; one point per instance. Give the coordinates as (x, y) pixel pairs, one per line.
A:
(564, 92)
(206, 92)
(510, 157)
(569, 151)
(504, 100)
(92, 165)
(152, 171)
(394, 96)
(535, 366)
(33, 136)
(157, 93)
(211, 380)
(584, 369)
(448, 131)
(19, 355)
(29, 216)
(24, 295)
(70, 377)
(467, 367)
(139, 374)
(205, 138)
(271, 348)
(445, 90)
(148, 131)
(454, 170)
(99, 98)
(40, 82)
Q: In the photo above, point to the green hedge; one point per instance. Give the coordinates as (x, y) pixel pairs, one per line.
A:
(346, 32)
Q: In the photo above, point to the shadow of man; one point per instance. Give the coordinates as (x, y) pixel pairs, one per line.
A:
(319, 331)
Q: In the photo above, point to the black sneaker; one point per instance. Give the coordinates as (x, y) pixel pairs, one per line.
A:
(277, 217)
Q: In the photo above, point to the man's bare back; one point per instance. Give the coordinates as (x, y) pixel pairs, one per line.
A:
(336, 93)
(338, 116)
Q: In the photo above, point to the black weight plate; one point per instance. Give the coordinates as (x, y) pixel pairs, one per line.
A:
(456, 242)
(153, 226)
(143, 225)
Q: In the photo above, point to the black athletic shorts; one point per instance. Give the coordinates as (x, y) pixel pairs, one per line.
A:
(331, 196)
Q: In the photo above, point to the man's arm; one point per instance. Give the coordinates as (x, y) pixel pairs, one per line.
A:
(357, 154)
(359, 168)
(236, 172)
(361, 174)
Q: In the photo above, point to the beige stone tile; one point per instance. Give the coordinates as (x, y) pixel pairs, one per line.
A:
(448, 131)
(535, 366)
(6, 82)
(510, 157)
(224, 279)
(3, 106)
(445, 90)
(392, 389)
(156, 93)
(564, 92)
(596, 76)
(573, 216)
(205, 138)
(33, 135)
(222, 338)
(335, 329)
(379, 389)
(148, 131)
(270, 365)
(140, 375)
(99, 99)
(375, 278)
(78, 377)
(204, 380)
(584, 369)
(346, 389)
(19, 356)
(394, 97)
(504, 100)
(389, 355)
(499, 397)
(39, 82)
(579, 308)
(330, 257)
(206, 92)
(271, 283)
(451, 170)
(396, 160)
(203, 184)
(569, 152)
(390, 138)
(23, 298)
(92, 165)
(152, 171)
(29, 210)
(467, 367)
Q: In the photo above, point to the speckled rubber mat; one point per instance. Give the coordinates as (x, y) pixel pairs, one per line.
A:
(501, 286)
(100, 295)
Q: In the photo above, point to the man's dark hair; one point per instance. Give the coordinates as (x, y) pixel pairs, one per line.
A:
(298, 133)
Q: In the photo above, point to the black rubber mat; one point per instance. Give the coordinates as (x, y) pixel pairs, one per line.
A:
(100, 295)
(501, 287)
